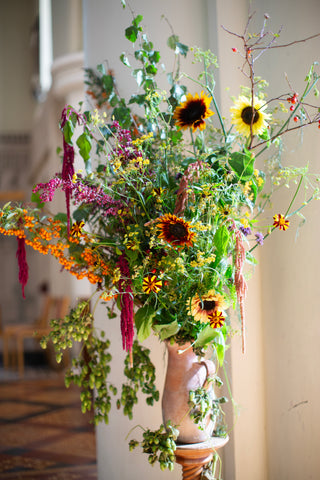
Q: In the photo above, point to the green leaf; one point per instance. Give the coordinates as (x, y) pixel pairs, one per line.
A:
(154, 57)
(167, 330)
(35, 197)
(207, 335)
(138, 19)
(221, 240)
(131, 33)
(172, 41)
(242, 164)
(138, 75)
(107, 81)
(182, 49)
(61, 217)
(151, 69)
(68, 130)
(124, 59)
(143, 321)
(84, 144)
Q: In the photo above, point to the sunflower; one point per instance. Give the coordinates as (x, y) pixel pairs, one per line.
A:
(243, 116)
(193, 112)
(205, 307)
(175, 230)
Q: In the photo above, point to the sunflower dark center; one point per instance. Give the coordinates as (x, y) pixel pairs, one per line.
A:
(177, 230)
(208, 305)
(249, 116)
(193, 111)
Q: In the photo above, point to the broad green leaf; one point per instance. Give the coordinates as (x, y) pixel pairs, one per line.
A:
(68, 130)
(167, 330)
(143, 321)
(242, 164)
(207, 335)
(221, 240)
(84, 144)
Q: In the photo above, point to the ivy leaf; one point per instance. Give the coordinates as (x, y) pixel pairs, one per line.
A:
(124, 59)
(182, 49)
(143, 321)
(172, 41)
(131, 33)
(138, 19)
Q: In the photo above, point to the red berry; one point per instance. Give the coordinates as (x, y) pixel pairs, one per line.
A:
(295, 119)
(234, 50)
(292, 108)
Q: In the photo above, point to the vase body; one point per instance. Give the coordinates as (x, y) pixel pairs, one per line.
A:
(185, 373)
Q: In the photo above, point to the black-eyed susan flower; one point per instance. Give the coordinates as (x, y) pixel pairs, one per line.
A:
(151, 284)
(193, 112)
(216, 319)
(280, 222)
(76, 229)
(243, 116)
(202, 307)
(175, 230)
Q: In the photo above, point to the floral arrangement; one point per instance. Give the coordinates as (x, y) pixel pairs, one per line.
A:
(171, 203)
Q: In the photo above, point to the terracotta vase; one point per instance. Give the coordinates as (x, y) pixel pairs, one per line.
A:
(185, 373)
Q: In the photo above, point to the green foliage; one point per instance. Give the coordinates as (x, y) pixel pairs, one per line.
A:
(141, 375)
(160, 445)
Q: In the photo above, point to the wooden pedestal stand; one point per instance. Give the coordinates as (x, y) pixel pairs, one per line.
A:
(193, 457)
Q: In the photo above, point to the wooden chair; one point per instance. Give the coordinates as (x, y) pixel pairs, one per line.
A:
(53, 307)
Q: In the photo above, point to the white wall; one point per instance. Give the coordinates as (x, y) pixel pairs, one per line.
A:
(275, 383)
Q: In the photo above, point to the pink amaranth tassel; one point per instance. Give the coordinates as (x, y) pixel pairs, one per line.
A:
(126, 302)
(240, 283)
(22, 263)
(67, 166)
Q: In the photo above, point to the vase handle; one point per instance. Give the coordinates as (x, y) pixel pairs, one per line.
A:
(211, 370)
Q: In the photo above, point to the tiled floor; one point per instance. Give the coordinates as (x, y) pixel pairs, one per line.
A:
(43, 434)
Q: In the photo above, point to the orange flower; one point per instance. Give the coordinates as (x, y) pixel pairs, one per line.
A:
(281, 222)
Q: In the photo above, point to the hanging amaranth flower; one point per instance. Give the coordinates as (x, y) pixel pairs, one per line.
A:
(68, 161)
(126, 302)
(193, 112)
(22, 263)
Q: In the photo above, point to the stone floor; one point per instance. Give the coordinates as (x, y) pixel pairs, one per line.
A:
(43, 434)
